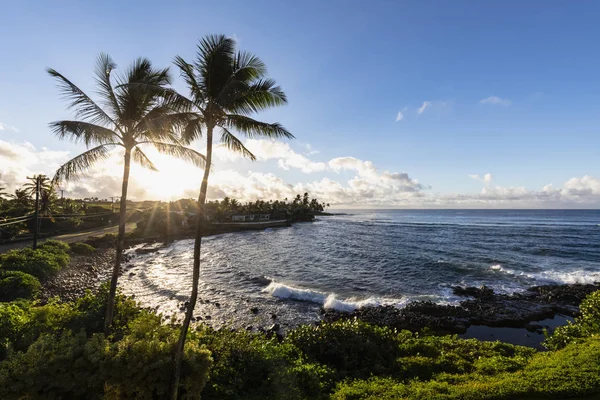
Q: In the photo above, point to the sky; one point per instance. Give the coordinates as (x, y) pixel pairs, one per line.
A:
(408, 104)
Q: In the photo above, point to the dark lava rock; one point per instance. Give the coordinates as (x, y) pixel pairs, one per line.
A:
(199, 318)
(254, 310)
(482, 292)
(208, 317)
(217, 305)
(484, 308)
(273, 316)
(564, 294)
(132, 274)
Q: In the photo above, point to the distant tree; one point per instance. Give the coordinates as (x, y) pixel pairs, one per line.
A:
(131, 116)
(31, 186)
(225, 87)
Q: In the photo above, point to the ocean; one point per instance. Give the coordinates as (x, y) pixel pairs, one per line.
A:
(366, 258)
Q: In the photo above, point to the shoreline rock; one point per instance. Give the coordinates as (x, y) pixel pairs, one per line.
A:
(83, 272)
(483, 307)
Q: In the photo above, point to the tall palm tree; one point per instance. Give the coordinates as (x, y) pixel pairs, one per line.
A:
(225, 86)
(128, 117)
(31, 186)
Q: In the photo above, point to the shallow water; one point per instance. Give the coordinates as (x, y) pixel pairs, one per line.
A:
(368, 258)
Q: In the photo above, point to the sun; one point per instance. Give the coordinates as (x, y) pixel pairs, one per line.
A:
(174, 179)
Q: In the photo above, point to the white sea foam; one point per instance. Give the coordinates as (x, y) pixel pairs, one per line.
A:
(283, 291)
(509, 271)
(579, 276)
(553, 276)
(327, 301)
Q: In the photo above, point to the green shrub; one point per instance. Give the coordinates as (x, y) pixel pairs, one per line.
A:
(54, 246)
(141, 363)
(18, 285)
(573, 371)
(108, 240)
(21, 323)
(56, 366)
(586, 325)
(351, 348)
(73, 366)
(81, 248)
(41, 263)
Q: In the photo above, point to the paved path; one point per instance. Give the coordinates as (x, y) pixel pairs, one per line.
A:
(70, 237)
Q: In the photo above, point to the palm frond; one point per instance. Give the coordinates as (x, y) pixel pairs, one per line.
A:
(83, 105)
(104, 67)
(179, 151)
(192, 131)
(187, 73)
(142, 159)
(72, 169)
(259, 96)
(235, 145)
(252, 128)
(214, 63)
(79, 131)
(159, 124)
(140, 89)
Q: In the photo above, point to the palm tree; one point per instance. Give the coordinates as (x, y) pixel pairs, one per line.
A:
(31, 186)
(226, 86)
(130, 117)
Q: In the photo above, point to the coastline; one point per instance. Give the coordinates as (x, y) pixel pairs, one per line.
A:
(520, 318)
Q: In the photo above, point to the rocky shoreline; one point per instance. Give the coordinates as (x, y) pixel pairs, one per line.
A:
(481, 307)
(84, 272)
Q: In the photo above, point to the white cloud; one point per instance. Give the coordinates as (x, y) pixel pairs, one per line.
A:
(399, 116)
(422, 109)
(495, 100)
(6, 127)
(350, 182)
(286, 157)
(487, 178)
(19, 160)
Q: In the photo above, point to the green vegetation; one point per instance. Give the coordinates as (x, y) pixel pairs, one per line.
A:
(42, 263)
(174, 218)
(81, 248)
(18, 285)
(585, 326)
(58, 350)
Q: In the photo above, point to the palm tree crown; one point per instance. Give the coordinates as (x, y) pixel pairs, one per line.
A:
(226, 86)
(130, 116)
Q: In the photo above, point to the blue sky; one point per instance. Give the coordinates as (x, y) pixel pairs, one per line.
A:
(348, 69)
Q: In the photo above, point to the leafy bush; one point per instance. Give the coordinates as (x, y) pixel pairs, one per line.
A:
(586, 325)
(21, 323)
(41, 263)
(81, 248)
(48, 368)
(18, 285)
(108, 240)
(248, 366)
(352, 348)
(136, 367)
(573, 371)
(54, 246)
(141, 365)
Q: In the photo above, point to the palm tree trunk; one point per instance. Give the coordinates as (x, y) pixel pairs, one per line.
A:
(110, 305)
(200, 221)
